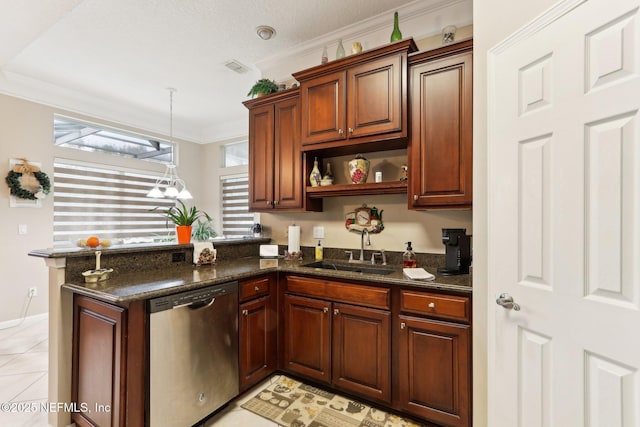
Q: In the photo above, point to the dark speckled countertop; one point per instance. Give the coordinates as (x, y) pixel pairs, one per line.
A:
(127, 287)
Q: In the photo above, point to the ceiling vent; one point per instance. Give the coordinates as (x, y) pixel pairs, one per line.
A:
(234, 65)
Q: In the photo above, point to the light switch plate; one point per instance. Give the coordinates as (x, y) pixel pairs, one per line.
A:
(318, 232)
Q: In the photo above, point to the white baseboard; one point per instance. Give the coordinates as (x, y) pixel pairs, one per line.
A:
(15, 322)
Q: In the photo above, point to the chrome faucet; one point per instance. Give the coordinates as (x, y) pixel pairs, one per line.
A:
(364, 231)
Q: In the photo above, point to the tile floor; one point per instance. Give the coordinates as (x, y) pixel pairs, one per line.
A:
(23, 379)
(23, 371)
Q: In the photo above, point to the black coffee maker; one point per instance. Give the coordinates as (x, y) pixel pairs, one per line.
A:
(457, 251)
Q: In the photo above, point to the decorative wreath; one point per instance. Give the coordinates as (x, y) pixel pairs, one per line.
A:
(13, 181)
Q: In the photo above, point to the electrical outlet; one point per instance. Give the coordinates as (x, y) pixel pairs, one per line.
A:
(318, 232)
(33, 292)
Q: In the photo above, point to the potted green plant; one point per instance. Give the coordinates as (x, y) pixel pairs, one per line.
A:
(184, 218)
(203, 231)
(263, 87)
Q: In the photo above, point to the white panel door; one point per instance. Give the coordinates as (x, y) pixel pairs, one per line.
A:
(564, 219)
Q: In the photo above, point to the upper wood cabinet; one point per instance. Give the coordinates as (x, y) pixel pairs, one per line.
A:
(358, 103)
(275, 160)
(440, 149)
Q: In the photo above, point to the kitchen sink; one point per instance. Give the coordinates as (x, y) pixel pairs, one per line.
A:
(356, 268)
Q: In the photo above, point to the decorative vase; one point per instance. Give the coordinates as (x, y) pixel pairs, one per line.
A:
(184, 234)
(327, 179)
(315, 177)
(396, 34)
(325, 56)
(340, 50)
(359, 169)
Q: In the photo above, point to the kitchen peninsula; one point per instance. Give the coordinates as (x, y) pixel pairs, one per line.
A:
(118, 371)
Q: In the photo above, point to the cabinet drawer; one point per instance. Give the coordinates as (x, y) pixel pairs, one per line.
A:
(254, 288)
(340, 291)
(436, 305)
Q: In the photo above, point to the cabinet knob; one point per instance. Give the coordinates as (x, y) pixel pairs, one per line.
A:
(325, 310)
(268, 202)
(245, 312)
(257, 289)
(403, 325)
(350, 130)
(275, 202)
(415, 197)
(432, 305)
(336, 311)
(340, 132)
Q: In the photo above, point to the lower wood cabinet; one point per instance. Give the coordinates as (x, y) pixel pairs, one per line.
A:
(361, 351)
(108, 367)
(342, 344)
(434, 359)
(257, 328)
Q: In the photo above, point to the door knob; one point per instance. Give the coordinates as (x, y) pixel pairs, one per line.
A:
(506, 301)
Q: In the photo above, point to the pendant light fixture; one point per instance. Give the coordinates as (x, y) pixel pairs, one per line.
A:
(174, 186)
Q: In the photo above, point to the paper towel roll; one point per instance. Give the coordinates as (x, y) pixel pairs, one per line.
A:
(294, 238)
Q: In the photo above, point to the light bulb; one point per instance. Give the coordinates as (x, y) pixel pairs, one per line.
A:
(171, 192)
(155, 193)
(184, 194)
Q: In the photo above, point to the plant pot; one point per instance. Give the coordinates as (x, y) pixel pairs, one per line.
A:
(184, 234)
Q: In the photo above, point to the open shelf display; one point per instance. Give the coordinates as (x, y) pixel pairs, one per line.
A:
(388, 187)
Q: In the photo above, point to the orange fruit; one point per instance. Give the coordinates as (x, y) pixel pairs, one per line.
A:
(93, 242)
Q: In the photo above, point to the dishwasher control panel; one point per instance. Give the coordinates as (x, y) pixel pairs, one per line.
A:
(182, 299)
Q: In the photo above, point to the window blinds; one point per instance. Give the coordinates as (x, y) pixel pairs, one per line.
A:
(236, 218)
(95, 200)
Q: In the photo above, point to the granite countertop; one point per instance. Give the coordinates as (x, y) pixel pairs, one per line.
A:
(127, 287)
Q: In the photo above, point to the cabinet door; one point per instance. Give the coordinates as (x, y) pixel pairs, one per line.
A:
(323, 108)
(287, 171)
(361, 351)
(99, 371)
(435, 370)
(441, 141)
(257, 341)
(307, 337)
(261, 157)
(376, 91)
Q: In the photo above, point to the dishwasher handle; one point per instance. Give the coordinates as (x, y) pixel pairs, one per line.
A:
(196, 305)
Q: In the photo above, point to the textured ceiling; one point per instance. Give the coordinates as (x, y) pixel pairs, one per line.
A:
(127, 52)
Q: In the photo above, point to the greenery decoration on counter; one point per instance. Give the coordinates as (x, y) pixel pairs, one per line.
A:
(263, 87)
(181, 215)
(203, 231)
(21, 172)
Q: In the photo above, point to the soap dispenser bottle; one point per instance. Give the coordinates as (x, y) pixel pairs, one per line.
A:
(319, 251)
(409, 257)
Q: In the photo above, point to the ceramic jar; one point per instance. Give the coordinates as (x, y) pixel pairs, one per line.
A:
(359, 169)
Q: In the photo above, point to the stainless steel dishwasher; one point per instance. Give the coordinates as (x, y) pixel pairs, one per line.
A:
(193, 355)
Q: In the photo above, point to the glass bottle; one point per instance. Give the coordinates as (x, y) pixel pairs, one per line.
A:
(396, 34)
(319, 251)
(315, 177)
(340, 50)
(325, 56)
(409, 257)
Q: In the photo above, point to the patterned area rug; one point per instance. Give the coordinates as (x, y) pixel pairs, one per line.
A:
(294, 404)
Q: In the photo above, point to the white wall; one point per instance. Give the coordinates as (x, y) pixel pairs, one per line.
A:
(493, 21)
(27, 131)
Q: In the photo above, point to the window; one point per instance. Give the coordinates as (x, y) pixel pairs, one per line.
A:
(107, 202)
(92, 137)
(236, 154)
(236, 218)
